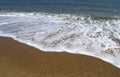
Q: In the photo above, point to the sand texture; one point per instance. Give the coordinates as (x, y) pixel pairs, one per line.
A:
(20, 60)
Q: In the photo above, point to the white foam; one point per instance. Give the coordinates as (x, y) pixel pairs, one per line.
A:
(70, 33)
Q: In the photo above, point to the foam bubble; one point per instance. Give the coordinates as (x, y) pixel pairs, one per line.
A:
(63, 32)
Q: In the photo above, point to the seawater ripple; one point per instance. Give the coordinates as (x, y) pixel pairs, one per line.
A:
(64, 32)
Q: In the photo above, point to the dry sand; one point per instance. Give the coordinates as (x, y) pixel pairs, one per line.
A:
(20, 60)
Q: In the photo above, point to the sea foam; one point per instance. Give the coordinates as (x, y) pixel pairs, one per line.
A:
(65, 33)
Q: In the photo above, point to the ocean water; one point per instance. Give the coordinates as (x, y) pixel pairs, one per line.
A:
(90, 28)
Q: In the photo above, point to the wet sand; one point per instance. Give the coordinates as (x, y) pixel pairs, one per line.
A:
(20, 60)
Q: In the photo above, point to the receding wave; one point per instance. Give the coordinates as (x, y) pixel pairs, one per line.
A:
(95, 36)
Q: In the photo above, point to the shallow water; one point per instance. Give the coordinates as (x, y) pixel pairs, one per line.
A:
(94, 32)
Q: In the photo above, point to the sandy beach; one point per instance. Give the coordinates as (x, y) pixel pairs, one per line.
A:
(20, 60)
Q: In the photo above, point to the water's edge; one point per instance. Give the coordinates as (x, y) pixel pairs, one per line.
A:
(98, 37)
(35, 46)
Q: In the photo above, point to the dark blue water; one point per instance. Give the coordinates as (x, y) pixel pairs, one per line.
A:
(107, 8)
(59, 1)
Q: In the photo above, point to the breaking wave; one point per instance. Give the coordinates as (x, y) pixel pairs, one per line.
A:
(94, 36)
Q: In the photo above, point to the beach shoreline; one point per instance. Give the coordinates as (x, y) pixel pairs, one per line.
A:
(20, 60)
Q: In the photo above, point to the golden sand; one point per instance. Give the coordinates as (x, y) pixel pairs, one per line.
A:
(20, 60)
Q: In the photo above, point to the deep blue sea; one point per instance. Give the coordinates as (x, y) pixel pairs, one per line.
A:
(90, 27)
